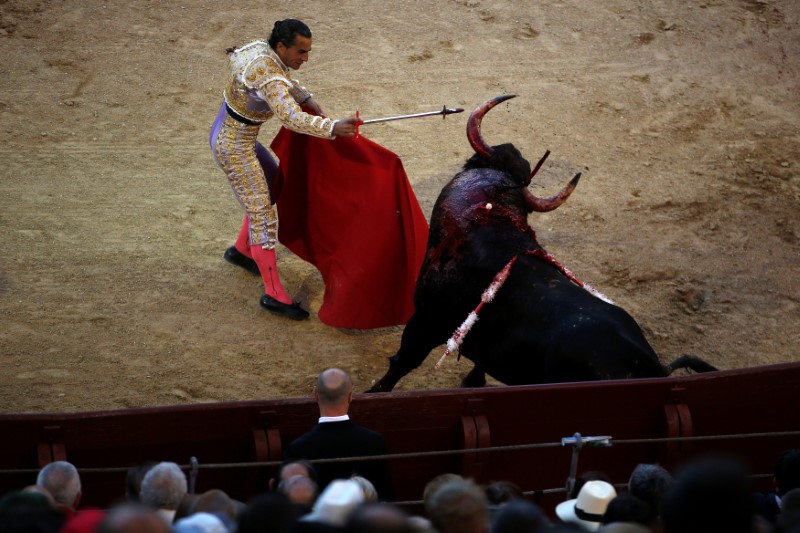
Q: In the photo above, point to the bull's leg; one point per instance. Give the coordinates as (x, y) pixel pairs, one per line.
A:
(417, 342)
(475, 378)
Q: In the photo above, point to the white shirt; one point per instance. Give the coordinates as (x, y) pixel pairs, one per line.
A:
(342, 418)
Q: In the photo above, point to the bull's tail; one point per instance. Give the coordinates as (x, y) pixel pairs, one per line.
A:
(692, 363)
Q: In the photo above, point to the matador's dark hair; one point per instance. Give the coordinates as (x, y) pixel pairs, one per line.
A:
(285, 31)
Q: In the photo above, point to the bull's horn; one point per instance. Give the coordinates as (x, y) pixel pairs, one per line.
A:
(543, 205)
(474, 124)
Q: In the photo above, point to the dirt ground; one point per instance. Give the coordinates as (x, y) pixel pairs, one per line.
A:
(684, 117)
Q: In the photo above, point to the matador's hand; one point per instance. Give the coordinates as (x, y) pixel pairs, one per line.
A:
(347, 127)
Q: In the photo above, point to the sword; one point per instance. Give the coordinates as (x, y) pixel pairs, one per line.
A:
(444, 112)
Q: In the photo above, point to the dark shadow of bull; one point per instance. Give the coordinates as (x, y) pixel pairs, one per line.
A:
(540, 326)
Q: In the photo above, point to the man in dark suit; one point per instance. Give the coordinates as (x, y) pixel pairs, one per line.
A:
(336, 436)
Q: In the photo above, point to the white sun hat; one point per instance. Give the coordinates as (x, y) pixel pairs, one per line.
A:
(588, 508)
(336, 502)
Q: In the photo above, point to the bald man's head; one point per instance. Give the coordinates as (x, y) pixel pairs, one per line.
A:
(334, 389)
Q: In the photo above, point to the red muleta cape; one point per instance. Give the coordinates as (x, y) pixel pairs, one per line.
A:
(346, 206)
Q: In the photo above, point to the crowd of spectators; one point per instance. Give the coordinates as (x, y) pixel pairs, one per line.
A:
(707, 495)
(306, 495)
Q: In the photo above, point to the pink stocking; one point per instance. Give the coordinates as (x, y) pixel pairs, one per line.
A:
(265, 259)
(242, 243)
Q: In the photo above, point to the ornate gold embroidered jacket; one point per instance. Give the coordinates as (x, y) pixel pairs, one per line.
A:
(259, 87)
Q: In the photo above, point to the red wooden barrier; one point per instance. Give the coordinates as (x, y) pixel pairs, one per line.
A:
(737, 402)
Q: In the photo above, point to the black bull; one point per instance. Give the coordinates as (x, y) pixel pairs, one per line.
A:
(541, 326)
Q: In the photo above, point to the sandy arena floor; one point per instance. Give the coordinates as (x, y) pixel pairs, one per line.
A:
(684, 118)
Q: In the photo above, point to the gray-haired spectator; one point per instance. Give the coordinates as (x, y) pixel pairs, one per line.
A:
(61, 480)
(163, 488)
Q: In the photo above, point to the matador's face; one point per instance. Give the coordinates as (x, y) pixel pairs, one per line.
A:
(297, 54)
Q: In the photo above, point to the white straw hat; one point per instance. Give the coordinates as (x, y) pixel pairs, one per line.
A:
(588, 508)
(336, 502)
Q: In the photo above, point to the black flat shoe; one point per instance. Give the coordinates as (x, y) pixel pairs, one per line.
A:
(234, 257)
(293, 310)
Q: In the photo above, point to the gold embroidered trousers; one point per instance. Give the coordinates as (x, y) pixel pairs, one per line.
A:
(235, 149)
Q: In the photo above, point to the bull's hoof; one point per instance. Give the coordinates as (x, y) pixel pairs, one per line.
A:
(378, 387)
(475, 378)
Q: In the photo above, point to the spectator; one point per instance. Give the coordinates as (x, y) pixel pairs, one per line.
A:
(336, 503)
(564, 527)
(787, 471)
(580, 481)
(519, 516)
(649, 483)
(62, 481)
(627, 508)
(420, 524)
(83, 521)
(29, 512)
(132, 517)
(710, 494)
(290, 468)
(500, 492)
(588, 508)
(200, 523)
(433, 485)
(789, 519)
(624, 527)
(336, 436)
(218, 503)
(785, 477)
(268, 513)
(133, 480)
(459, 506)
(163, 488)
(43, 491)
(378, 517)
(370, 494)
(302, 491)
